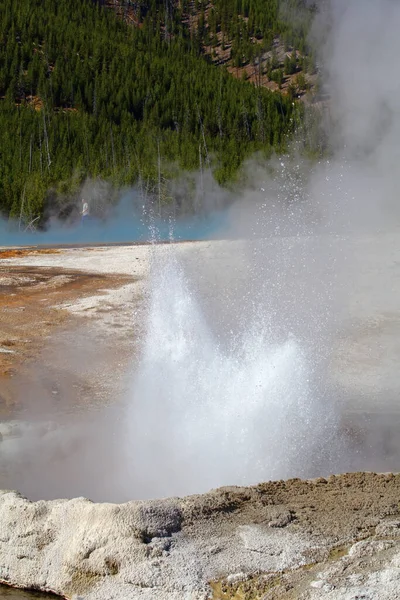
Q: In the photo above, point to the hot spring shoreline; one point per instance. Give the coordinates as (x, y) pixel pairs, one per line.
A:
(313, 538)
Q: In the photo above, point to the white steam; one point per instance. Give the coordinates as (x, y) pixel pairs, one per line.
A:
(360, 70)
(234, 381)
(208, 410)
(255, 403)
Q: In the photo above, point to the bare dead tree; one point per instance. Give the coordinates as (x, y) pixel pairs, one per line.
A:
(201, 179)
(246, 120)
(21, 212)
(46, 139)
(260, 116)
(40, 148)
(159, 177)
(20, 145)
(87, 145)
(112, 146)
(106, 153)
(127, 157)
(168, 10)
(221, 133)
(204, 140)
(31, 226)
(166, 21)
(30, 155)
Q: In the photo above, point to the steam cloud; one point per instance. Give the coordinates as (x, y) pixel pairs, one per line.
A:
(231, 368)
(128, 215)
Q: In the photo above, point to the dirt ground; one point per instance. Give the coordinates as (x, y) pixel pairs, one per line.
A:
(353, 520)
(31, 299)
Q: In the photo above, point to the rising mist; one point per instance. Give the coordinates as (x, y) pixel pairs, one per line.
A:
(233, 383)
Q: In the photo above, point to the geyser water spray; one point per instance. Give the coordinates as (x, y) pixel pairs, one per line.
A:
(208, 410)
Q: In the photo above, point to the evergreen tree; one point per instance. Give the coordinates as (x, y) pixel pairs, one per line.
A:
(83, 93)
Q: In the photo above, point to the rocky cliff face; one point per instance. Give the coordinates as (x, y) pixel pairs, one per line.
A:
(335, 538)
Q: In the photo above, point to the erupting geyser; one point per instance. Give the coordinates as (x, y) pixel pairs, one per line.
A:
(208, 410)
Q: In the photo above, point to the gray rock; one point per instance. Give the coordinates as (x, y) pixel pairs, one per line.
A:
(172, 549)
(388, 528)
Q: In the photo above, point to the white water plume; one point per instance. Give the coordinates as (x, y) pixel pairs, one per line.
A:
(208, 412)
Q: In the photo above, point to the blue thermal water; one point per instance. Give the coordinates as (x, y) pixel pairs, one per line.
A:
(118, 230)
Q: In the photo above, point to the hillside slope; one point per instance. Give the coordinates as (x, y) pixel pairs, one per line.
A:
(83, 93)
(264, 41)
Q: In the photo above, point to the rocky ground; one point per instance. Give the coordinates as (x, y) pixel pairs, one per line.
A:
(69, 328)
(335, 538)
(33, 299)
